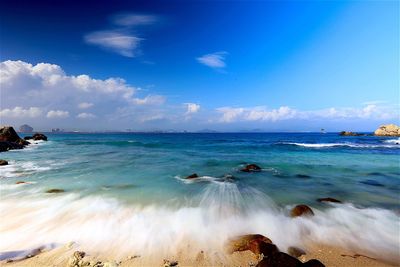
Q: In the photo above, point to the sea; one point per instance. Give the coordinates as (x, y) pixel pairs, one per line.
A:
(127, 193)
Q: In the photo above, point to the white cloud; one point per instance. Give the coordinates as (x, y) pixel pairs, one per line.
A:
(215, 60)
(85, 105)
(192, 108)
(149, 100)
(230, 114)
(134, 19)
(57, 114)
(124, 44)
(85, 115)
(19, 112)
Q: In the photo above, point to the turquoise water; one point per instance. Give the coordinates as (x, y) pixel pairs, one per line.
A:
(134, 181)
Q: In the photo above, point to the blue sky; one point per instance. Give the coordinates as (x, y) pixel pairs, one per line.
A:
(225, 65)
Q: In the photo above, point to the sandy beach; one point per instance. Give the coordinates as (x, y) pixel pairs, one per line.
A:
(62, 256)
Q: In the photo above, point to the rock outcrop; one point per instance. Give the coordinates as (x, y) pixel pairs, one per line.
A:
(39, 136)
(388, 130)
(9, 139)
(345, 133)
(192, 176)
(3, 162)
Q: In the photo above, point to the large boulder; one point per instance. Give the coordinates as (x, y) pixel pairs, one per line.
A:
(39, 136)
(9, 139)
(279, 259)
(3, 162)
(388, 130)
(5, 146)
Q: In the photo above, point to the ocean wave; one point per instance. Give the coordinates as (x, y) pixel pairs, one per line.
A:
(352, 145)
(393, 141)
(21, 168)
(221, 212)
(205, 178)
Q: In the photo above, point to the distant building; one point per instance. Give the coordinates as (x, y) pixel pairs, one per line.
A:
(25, 128)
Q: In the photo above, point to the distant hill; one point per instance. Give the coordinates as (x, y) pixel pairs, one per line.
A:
(25, 128)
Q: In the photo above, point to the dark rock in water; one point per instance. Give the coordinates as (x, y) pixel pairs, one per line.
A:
(303, 176)
(246, 242)
(21, 182)
(344, 133)
(296, 252)
(192, 176)
(55, 191)
(5, 146)
(28, 137)
(279, 259)
(251, 168)
(39, 136)
(371, 182)
(313, 263)
(329, 199)
(261, 247)
(3, 162)
(301, 210)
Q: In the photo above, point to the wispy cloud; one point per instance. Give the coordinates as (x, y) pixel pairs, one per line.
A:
(57, 114)
(123, 39)
(122, 43)
(214, 60)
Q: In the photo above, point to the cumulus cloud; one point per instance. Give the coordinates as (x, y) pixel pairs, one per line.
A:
(192, 108)
(19, 112)
(124, 44)
(85, 115)
(85, 105)
(214, 60)
(57, 114)
(30, 90)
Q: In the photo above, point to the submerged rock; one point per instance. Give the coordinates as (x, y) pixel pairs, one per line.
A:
(371, 182)
(247, 242)
(39, 136)
(329, 199)
(251, 168)
(21, 182)
(301, 210)
(192, 176)
(305, 176)
(388, 130)
(3, 162)
(55, 191)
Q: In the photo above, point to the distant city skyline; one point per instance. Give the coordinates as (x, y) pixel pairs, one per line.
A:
(222, 65)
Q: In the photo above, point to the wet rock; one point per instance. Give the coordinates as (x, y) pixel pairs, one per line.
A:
(5, 146)
(301, 210)
(260, 247)
(28, 137)
(251, 168)
(305, 176)
(3, 162)
(21, 182)
(246, 242)
(388, 130)
(371, 182)
(55, 191)
(192, 176)
(280, 259)
(296, 252)
(313, 263)
(329, 199)
(39, 136)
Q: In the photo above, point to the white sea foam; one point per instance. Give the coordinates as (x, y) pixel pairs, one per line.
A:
(21, 168)
(222, 211)
(355, 145)
(393, 141)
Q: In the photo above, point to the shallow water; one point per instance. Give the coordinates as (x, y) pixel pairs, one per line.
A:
(127, 191)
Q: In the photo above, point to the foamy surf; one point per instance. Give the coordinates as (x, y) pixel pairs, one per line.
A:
(352, 145)
(222, 211)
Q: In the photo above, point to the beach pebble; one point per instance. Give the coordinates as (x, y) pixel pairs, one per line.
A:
(168, 263)
(3, 162)
(296, 252)
(251, 168)
(301, 210)
(55, 191)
